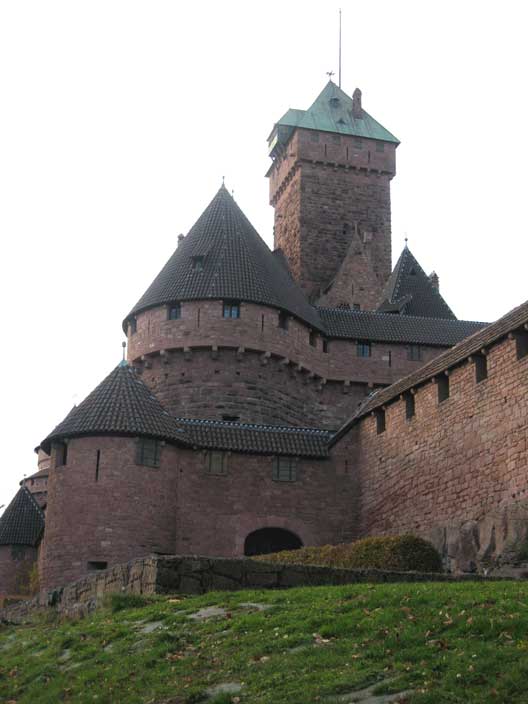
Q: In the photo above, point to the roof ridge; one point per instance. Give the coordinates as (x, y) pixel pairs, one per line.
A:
(252, 426)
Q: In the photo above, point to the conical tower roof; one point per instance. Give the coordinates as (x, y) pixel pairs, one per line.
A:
(121, 405)
(22, 523)
(410, 291)
(236, 264)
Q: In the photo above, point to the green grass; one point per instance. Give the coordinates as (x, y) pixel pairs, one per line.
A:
(465, 642)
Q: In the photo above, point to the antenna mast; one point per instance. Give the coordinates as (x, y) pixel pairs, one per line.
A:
(340, 47)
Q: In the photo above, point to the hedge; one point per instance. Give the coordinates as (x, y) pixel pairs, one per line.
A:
(401, 552)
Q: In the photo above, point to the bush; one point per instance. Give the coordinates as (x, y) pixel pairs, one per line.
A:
(401, 552)
(120, 602)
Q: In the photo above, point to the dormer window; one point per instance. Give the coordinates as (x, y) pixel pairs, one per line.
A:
(174, 311)
(198, 263)
(231, 309)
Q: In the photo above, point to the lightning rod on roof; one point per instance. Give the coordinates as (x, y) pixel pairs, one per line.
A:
(340, 47)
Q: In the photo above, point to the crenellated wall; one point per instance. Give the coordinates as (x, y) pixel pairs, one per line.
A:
(457, 471)
(206, 366)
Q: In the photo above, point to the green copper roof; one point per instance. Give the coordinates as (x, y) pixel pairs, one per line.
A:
(332, 112)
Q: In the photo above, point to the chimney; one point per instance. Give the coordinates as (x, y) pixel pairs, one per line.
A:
(357, 112)
(435, 281)
(180, 239)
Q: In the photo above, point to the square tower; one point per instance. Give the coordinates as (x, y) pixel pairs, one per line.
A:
(330, 188)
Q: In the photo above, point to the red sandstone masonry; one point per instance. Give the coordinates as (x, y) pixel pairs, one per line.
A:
(16, 562)
(454, 461)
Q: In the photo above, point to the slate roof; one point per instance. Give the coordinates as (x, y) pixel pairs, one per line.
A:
(409, 291)
(237, 265)
(257, 439)
(489, 335)
(332, 112)
(389, 327)
(122, 404)
(22, 523)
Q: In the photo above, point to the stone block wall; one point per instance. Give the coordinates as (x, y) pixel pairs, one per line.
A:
(16, 563)
(457, 471)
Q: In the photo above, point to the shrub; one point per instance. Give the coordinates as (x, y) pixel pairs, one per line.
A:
(401, 552)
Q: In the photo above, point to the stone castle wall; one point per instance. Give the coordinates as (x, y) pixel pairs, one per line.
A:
(328, 189)
(455, 472)
(16, 562)
(206, 366)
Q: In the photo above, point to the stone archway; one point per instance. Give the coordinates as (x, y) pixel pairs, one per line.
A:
(266, 540)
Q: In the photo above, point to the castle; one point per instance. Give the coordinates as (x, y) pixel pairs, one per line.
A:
(300, 396)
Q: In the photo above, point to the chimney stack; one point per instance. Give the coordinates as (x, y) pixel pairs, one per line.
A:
(357, 112)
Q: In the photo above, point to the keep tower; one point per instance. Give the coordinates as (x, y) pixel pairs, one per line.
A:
(330, 188)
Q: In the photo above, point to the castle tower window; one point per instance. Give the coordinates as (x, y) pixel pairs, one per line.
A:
(231, 309)
(198, 263)
(443, 388)
(174, 311)
(132, 326)
(283, 320)
(216, 463)
(380, 421)
(380, 146)
(481, 368)
(363, 349)
(415, 353)
(61, 457)
(410, 406)
(230, 418)
(285, 469)
(358, 143)
(97, 464)
(314, 136)
(521, 344)
(96, 565)
(148, 451)
(325, 346)
(312, 338)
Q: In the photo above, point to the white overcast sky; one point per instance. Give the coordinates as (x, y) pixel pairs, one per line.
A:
(118, 120)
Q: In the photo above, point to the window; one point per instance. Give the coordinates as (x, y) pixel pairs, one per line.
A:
(410, 406)
(380, 146)
(231, 309)
(312, 338)
(132, 326)
(148, 452)
(380, 421)
(198, 263)
(231, 419)
(283, 320)
(61, 456)
(97, 464)
(325, 346)
(443, 388)
(363, 349)
(415, 353)
(358, 143)
(314, 136)
(216, 463)
(481, 368)
(521, 344)
(174, 311)
(96, 565)
(336, 138)
(285, 469)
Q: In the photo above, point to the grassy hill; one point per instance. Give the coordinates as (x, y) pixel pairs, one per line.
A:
(465, 642)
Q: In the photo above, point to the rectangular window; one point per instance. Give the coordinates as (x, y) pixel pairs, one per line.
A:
(231, 309)
(132, 326)
(325, 346)
(283, 320)
(380, 421)
(358, 143)
(410, 406)
(97, 464)
(312, 338)
(216, 462)
(174, 311)
(415, 353)
(96, 565)
(363, 349)
(148, 452)
(380, 146)
(481, 368)
(198, 263)
(443, 388)
(336, 138)
(521, 344)
(285, 469)
(61, 457)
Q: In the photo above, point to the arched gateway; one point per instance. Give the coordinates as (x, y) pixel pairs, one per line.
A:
(266, 540)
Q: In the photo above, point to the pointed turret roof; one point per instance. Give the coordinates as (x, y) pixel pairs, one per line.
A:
(409, 291)
(22, 523)
(332, 111)
(122, 404)
(235, 264)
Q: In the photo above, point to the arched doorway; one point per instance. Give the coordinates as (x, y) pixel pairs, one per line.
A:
(266, 540)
